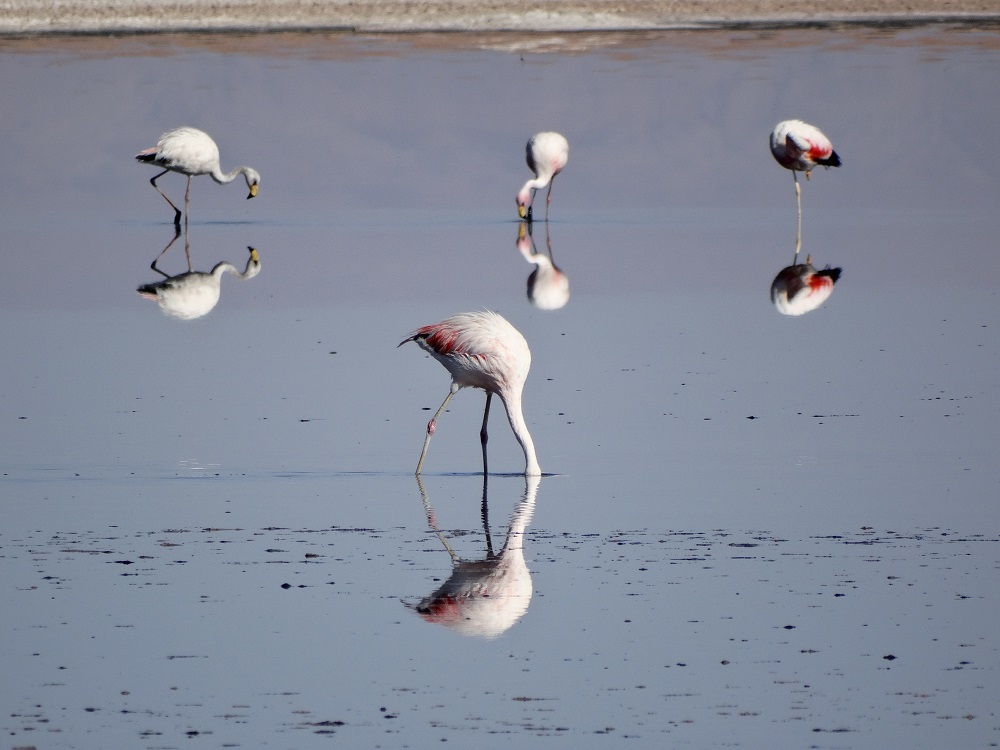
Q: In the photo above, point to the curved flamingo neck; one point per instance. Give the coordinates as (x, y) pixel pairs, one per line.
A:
(224, 178)
(512, 405)
(224, 266)
(535, 184)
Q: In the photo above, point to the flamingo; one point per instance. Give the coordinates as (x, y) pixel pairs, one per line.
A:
(193, 294)
(799, 289)
(547, 154)
(481, 350)
(192, 152)
(799, 146)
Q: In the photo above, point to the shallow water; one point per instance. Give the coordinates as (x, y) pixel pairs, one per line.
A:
(755, 530)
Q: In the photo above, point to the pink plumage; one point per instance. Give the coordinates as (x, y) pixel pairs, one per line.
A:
(481, 350)
(799, 146)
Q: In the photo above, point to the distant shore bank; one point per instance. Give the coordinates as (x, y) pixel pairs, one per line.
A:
(42, 17)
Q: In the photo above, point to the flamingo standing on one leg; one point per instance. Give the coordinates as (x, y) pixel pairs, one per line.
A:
(799, 146)
(547, 154)
(799, 289)
(481, 350)
(192, 152)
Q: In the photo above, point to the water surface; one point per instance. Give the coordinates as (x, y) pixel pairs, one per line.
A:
(755, 530)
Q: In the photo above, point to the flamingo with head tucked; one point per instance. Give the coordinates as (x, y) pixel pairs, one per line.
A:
(481, 350)
(192, 152)
(547, 154)
(801, 147)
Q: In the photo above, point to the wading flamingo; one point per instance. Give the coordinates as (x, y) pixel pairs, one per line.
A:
(193, 294)
(191, 152)
(800, 147)
(547, 154)
(799, 289)
(481, 350)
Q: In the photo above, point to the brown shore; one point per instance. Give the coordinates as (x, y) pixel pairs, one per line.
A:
(33, 17)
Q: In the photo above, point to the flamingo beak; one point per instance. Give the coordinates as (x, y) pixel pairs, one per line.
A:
(522, 210)
(254, 255)
(253, 191)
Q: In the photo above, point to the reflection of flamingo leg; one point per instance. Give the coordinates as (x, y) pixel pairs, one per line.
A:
(432, 521)
(485, 511)
(177, 233)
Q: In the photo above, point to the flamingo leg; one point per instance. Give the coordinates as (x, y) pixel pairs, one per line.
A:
(483, 434)
(432, 425)
(548, 197)
(798, 203)
(177, 211)
(187, 204)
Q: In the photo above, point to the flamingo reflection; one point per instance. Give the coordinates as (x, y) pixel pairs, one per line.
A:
(548, 287)
(800, 288)
(193, 294)
(485, 597)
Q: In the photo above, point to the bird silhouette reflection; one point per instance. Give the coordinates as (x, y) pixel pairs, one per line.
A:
(800, 288)
(484, 597)
(548, 286)
(193, 294)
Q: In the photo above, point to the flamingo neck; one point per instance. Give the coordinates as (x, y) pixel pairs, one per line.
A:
(223, 267)
(524, 247)
(525, 195)
(512, 404)
(224, 178)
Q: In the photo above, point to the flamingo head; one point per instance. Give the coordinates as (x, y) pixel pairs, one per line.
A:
(524, 203)
(253, 180)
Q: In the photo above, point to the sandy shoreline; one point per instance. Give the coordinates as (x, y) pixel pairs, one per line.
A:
(143, 16)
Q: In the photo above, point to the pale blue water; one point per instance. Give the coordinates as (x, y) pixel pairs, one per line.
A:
(746, 515)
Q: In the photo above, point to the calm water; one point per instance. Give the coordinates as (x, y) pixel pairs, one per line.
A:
(756, 530)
